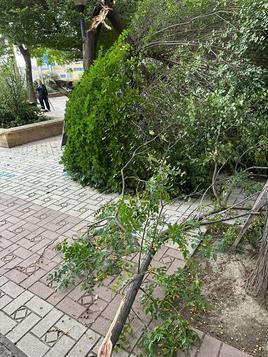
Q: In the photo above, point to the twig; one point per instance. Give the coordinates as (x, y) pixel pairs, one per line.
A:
(96, 224)
(190, 21)
(130, 160)
(244, 153)
(230, 218)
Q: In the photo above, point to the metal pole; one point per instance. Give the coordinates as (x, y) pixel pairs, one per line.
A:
(82, 26)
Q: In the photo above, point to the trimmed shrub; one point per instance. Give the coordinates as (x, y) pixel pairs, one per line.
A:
(100, 120)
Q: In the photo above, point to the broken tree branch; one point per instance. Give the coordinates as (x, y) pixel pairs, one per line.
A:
(256, 208)
(124, 309)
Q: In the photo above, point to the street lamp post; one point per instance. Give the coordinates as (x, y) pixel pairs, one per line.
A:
(80, 6)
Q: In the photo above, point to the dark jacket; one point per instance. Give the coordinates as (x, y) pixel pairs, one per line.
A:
(41, 91)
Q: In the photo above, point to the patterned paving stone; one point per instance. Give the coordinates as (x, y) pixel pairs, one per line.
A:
(23, 327)
(47, 322)
(61, 348)
(16, 304)
(21, 314)
(70, 307)
(16, 275)
(85, 344)
(52, 336)
(34, 217)
(4, 300)
(39, 306)
(41, 290)
(32, 346)
(3, 280)
(101, 325)
(70, 327)
(12, 289)
(6, 323)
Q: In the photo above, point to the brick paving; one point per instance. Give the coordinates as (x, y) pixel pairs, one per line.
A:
(41, 206)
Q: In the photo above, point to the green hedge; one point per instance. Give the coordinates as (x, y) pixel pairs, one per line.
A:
(100, 120)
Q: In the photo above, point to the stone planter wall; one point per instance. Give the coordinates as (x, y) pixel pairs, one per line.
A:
(27, 133)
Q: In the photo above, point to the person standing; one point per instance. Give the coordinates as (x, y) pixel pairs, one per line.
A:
(43, 95)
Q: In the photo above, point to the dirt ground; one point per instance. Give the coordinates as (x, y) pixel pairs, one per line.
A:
(235, 317)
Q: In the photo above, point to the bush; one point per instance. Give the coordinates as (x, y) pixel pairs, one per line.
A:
(100, 120)
(207, 62)
(14, 109)
(197, 86)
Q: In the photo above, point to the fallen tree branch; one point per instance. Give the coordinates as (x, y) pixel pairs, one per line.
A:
(124, 309)
(257, 283)
(256, 207)
(252, 213)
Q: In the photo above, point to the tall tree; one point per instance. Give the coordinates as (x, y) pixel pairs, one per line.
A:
(54, 24)
(39, 23)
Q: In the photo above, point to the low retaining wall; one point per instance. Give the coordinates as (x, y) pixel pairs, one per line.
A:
(27, 133)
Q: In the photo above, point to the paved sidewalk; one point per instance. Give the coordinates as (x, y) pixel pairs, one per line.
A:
(57, 107)
(39, 207)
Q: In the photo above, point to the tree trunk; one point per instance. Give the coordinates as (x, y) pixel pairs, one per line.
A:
(115, 21)
(12, 51)
(29, 76)
(90, 46)
(257, 284)
(92, 34)
(124, 309)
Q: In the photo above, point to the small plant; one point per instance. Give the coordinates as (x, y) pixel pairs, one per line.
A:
(14, 109)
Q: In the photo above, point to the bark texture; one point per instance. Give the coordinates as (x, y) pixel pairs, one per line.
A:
(90, 46)
(29, 76)
(104, 9)
(257, 284)
(124, 309)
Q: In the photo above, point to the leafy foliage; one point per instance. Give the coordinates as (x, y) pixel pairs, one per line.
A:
(14, 109)
(134, 226)
(100, 120)
(215, 99)
(51, 24)
(206, 60)
(181, 292)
